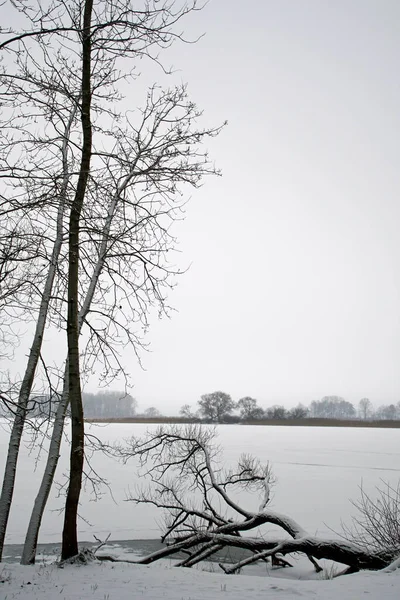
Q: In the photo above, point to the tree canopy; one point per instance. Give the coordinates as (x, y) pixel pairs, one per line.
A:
(216, 406)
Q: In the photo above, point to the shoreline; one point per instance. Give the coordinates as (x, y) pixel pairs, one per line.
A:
(308, 422)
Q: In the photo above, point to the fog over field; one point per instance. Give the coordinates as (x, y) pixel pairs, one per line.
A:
(199, 216)
(293, 290)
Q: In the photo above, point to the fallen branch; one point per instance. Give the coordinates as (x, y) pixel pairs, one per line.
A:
(335, 550)
(201, 518)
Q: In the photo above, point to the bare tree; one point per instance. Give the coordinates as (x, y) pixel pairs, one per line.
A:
(186, 412)
(123, 189)
(249, 409)
(216, 406)
(45, 298)
(365, 408)
(298, 412)
(276, 412)
(152, 412)
(377, 523)
(332, 407)
(185, 480)
(70, 530)
(108, 404)
(18, 251)
(389, 412)
(128, 241)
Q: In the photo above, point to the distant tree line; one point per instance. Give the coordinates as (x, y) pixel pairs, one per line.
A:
(218, 407)
(101, 405)
(108, 404)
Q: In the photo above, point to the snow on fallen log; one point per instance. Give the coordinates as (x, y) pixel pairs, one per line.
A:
(182, 466)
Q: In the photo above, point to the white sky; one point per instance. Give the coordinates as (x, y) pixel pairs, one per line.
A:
(293, 291)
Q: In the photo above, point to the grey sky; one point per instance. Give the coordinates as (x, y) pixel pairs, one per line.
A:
(294, 285)
(293, 291)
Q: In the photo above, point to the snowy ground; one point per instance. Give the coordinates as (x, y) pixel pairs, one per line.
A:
(122, 581)
(318, 471)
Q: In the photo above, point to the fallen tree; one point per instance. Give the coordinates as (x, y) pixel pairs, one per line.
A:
(182, 466)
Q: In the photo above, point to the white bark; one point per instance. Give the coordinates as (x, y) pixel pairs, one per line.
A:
(33, 358)
(26, 387)
(32, 534)
(31, 538)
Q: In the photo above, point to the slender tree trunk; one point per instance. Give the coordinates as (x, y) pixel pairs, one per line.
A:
(70, 534)
(31, 538)
(29, 374)
(28, 555)
(26, 387)
(27, 382)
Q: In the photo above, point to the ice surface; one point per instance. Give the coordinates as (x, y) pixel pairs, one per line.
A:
(317, 469)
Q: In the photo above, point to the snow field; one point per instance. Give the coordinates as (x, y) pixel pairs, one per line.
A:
(105, 581)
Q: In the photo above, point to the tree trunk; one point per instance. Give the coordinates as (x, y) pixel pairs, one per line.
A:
(70, 535)
(31, 538)
(27, 382)
(28, 555)
(340, 551)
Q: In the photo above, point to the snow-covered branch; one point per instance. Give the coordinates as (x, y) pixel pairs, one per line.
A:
(182, 467)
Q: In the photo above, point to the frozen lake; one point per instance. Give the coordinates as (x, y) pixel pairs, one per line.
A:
(317, 470)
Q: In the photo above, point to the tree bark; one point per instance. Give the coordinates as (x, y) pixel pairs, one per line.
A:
(31, 538)
(27, 382)
(335, 550)
(32, 534)
(70, 534)
(29, 550)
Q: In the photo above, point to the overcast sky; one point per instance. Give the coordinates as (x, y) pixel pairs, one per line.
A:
(294, 287)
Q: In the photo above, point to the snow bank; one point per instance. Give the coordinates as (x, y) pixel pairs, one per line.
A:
(105, 581)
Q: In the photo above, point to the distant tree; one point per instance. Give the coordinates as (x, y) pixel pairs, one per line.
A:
(186, 412)
(298, 412)
(249, 409)
(276, 412)
(216, 406)
(365, 408)
(152, 412)
(108, 404)
(332, 407)
(388, 412)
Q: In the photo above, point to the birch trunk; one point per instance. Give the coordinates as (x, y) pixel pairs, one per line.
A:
(31, 538)
(26, 387)
(33, 358)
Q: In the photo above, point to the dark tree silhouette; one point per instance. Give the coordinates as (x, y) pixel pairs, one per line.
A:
(216, 407)
(249, 409)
